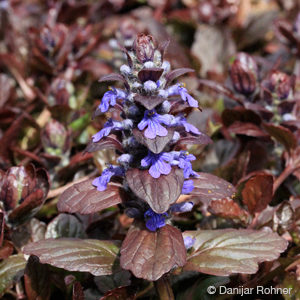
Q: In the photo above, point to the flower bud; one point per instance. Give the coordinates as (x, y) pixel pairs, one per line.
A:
(144, 47)
(55, 138)
(243, 73)
(279, 83)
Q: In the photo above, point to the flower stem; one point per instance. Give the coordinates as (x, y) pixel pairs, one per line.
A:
(164, 289)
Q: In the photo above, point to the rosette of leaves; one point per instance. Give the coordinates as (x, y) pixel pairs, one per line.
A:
(23, 191)
(150, 176)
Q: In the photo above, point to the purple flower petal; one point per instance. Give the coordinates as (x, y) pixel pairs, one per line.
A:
(102, 181)
(154, 220)
(188, 186)
(189, 242)
(159, 164)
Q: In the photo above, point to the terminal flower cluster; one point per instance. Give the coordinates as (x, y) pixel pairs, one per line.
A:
(147, 107)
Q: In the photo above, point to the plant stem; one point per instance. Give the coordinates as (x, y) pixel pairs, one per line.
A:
(164, 289)
(279, 180)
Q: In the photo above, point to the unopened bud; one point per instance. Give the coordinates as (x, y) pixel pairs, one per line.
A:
(243, 73)
(279, 83)
(144, 47)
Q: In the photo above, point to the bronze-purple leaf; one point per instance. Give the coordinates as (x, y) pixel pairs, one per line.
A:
(227, 251)
(176, 73)
(36, 278)
(149, 102)
(209, 187)
(282, 134)
(114, 77)
(84, 198)
(248, 129)
(150, 74)
(108, 142)
(149, 255)
(258, 192)
(189, 138)
(157, 144)
(160, 192)
(94, 256)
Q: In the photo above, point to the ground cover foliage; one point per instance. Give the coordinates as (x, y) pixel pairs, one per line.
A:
(149, 149)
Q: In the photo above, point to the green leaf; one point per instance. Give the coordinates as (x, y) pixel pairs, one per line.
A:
(228, 251)
(9, 269)
(81, 122)
(97, 257)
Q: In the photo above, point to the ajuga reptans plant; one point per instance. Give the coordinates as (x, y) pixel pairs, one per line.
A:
(150, 175)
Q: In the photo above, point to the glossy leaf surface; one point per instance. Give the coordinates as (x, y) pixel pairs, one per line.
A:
(94, 256)
(149, 254)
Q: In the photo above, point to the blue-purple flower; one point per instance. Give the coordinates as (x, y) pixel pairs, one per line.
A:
(153, 121)
(179, 89)
(154, 220)
(188, 186)
(110, 98)
(102, 181)
(159, 163)
(109, 126)
(183, 160)
(181, 121)
(182, 207)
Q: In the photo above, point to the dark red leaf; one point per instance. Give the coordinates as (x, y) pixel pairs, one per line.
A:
(150, 255)
(77, 291)
(84, 198)
(149, 102)
(258, 192)
(108, 142)
(2, 225)
(120, 293)
(176, 73)
(94, 256)
(208, 187)
(248, 129)
(227, 208)
(229, 116)
(6, 249)
(157, 144)
(160, 192)
(150, 74)
(28, 208)
(282, 134)
(36, 278)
